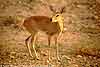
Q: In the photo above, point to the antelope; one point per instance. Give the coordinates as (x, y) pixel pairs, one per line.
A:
(49, 25)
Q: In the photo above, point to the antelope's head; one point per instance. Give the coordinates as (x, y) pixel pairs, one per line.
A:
(57, 17)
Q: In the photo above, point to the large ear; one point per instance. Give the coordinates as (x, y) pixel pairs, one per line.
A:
(63, 9)
(45, 3)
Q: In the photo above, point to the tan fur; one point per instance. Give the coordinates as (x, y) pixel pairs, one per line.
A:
(41, 23)
(51, 26)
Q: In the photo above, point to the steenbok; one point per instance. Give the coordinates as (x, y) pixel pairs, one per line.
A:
(52, 26)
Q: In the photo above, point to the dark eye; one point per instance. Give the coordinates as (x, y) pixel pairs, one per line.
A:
(57, 15)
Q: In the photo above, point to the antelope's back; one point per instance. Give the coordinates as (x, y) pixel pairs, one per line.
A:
(41, 23)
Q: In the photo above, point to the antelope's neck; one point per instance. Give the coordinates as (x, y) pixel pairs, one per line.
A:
(61, 25)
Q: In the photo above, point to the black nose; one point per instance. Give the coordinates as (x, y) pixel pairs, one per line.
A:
(50, 19)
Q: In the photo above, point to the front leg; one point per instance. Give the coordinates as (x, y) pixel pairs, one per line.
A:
(58, 37)
(57, 49)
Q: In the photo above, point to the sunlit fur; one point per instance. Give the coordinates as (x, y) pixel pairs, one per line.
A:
(60, 19)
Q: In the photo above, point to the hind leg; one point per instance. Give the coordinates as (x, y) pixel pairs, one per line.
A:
(49, 39)
(33, 40)
(28, 45)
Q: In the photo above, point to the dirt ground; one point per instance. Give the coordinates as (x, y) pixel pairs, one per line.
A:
(14, 53)
(79, 45)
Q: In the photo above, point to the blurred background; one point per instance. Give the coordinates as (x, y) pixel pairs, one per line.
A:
(79, 45)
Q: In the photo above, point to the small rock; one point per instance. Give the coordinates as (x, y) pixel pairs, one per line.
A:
(9, 61)
(13, 53)
(44, 53)
(66, 57)
(12, 57)
(79, 56)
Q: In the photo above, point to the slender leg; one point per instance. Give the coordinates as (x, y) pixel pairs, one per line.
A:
(33, 40)
(28, 45)
(57, 48)
(49, 38)
(58, 37)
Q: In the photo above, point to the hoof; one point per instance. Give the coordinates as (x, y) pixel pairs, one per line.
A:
(31, 56)
(37, 58)
(48, 61)
(34, 58)
(58, 59)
